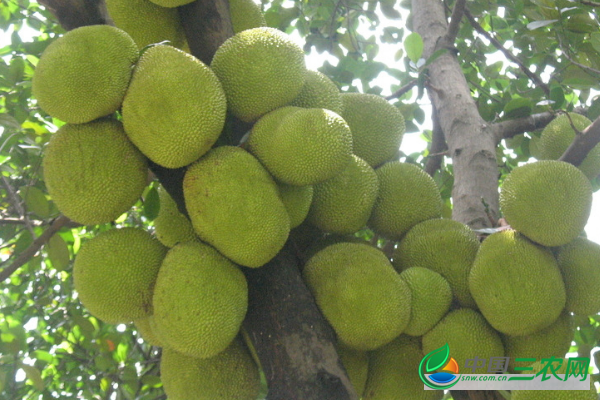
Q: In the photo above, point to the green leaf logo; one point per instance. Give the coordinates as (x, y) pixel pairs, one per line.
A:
(437, 358)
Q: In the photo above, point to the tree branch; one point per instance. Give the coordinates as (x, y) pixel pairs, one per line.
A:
(583, 143)
(16, 202)
(514, 127)
(457, 14)
(404, 89)
(37, 244)
(536, 79)
(438, 146)
(72, 14)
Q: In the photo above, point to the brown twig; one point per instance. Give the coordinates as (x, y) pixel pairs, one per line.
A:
(404, 89)
(37, 244)
(536, 79)
(514, 127)
(583, 143)
(438, 147)
(457, 14)
(16, 202)
(589, 3)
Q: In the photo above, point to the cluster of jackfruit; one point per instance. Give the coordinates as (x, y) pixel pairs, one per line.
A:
(313, 157)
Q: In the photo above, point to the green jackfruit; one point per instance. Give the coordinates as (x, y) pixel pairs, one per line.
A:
(407, 196)
(553, 341)
(200, 300)
(296, 200)
(431, 299)
(579, 263)
(229, 375)
(444, 246)
(84, 74)
(558, 135)
(93, 172)
(146, 22)
(146, 331)
(261, 69)
(171, 3)
(394, 372)
(343, 204)
(319, 92)
(359, 292)
(234, 205)
(171, 226)
(301, 146)
(516, 284)
(547, 201)
(468, 335)
(175, 107)
(377, 126)
(245, 14)
(356, 363)
(114, 274)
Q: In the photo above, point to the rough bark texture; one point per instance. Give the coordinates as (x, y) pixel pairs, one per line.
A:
(294, 343)
(584, 142)
(471, 142)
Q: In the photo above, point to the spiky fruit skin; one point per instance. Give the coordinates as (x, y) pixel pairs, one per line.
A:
(301, 146)
(171, 226)
(319, 92)
(234, 205)
(93, 172)
(171, 3)
(356, 363)
(516, 284)
(467, 333)
(407, 196)
(245, 14)
(377, 126)
(146, 22)
(578, 262)
(297, 200)
(444, 246)
(174, 109)
(553, 341)
(359, 293)
(558, 135)
(230, 375)
(200, 300)
(343, 204)
(146, 331)
(114, 274)
(431, 299)
(261, 69)
(84, 74)
(547, 201)
(394, 372)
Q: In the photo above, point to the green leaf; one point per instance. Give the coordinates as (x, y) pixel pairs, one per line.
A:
(540, 24)
(413, 44)
(34, 375)
(151, 204)
(9, 122)
(35, 201)
(518, 107)
(437, 358)
(58, 252)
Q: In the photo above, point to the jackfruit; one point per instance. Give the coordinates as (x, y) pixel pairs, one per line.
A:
(234, 205)
(558, 135)
(146, 22)
(245, 14)
(516, 284)
(359, 293)
(261, 69)
(319, 92)
(356, 363)
(394, 372)
(84, 74)
(229, 375)
(114, 274)
(468, 335)
(171, 226)
(547, 201)
(343, 204)
(301, 146)
(146, 331)
(445, 246)
(553, 341)
(560, 366)
(296, 200)
(171, 3)
(407, 196)
(431, 299)
(579, 263)
(93, 172)
(377, 126)
(174, 109)
(200, 300)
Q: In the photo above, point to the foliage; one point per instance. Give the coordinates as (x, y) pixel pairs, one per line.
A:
(50, 347)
